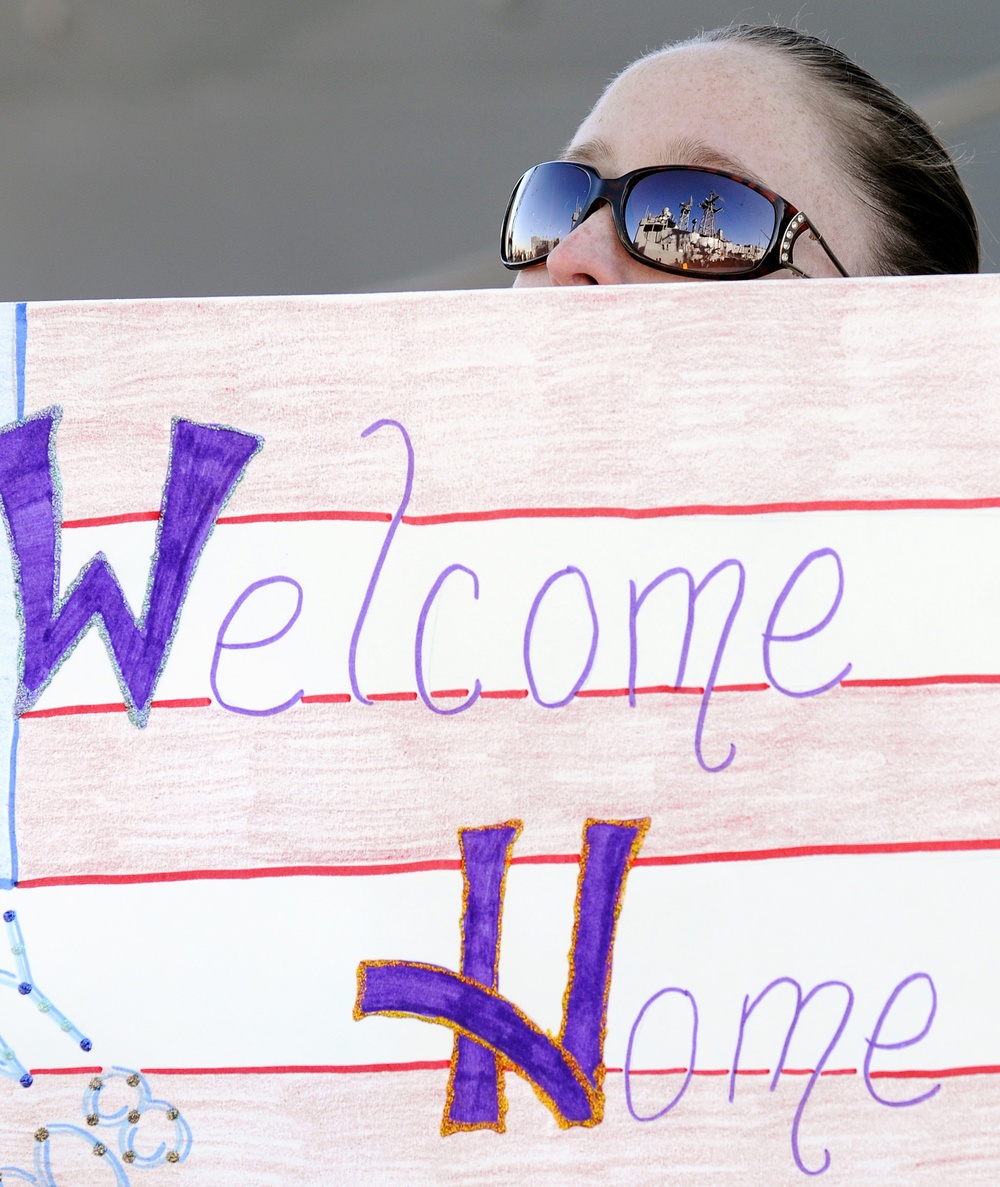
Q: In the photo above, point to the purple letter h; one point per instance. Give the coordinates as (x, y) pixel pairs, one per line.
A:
(491, 1034)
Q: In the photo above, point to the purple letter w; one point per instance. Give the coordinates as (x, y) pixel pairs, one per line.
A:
(491, 1033)
(206, 462)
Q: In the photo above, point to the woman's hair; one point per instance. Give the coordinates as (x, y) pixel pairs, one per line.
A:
(925, 222)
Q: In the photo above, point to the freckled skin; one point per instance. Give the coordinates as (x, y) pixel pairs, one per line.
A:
(750, 105)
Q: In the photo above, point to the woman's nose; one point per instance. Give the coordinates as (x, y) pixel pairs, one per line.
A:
(590, 254)
(593, 254)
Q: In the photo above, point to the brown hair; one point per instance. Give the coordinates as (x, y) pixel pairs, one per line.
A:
(925, 222)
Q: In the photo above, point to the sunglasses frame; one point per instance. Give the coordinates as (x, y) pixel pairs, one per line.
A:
(614, 192)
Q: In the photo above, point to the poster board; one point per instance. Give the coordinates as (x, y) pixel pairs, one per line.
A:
(699, 582)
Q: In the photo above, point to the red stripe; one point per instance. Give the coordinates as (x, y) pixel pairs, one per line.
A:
(65, 1071)
(570, 512)
(118, 707)
(653, 688)
(811, 1071)
(309, 517)
(921, 681)
(855, 850)
(682, 1071)
(535, 859)
(102, 521)
(941, 1073)
(71, 710)
(332, 1069)
(648, 1071)
(703, 509)
(519, 694)
(185, 703)
(358, 871)
(436, 1065)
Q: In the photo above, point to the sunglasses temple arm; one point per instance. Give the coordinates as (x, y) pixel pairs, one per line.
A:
(808, 226)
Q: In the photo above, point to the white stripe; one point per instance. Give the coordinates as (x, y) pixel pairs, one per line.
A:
(263, 972)
(920, 590)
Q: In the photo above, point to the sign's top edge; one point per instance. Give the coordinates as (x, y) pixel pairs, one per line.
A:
(986, 280)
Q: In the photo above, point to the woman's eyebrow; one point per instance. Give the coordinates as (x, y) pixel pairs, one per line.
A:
(689, 151)
(686, 151)
(594, 152)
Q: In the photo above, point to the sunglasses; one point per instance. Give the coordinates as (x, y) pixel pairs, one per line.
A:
(677, 218)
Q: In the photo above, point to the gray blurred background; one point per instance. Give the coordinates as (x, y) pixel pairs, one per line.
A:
(198, 147)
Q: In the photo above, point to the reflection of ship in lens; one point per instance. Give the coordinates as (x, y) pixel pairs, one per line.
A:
(519, 254)
(539, 246)
(684, 243)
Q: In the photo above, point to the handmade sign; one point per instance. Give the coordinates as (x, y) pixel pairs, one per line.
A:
(456, 736)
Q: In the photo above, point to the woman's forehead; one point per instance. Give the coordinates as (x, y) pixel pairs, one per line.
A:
(721, 106)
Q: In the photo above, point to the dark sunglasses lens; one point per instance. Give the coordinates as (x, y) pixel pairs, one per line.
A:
(702, 223)
(546, 206)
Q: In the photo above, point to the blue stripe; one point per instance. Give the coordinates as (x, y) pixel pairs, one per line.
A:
(20, 354)
(21, 339)
(7, 883)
